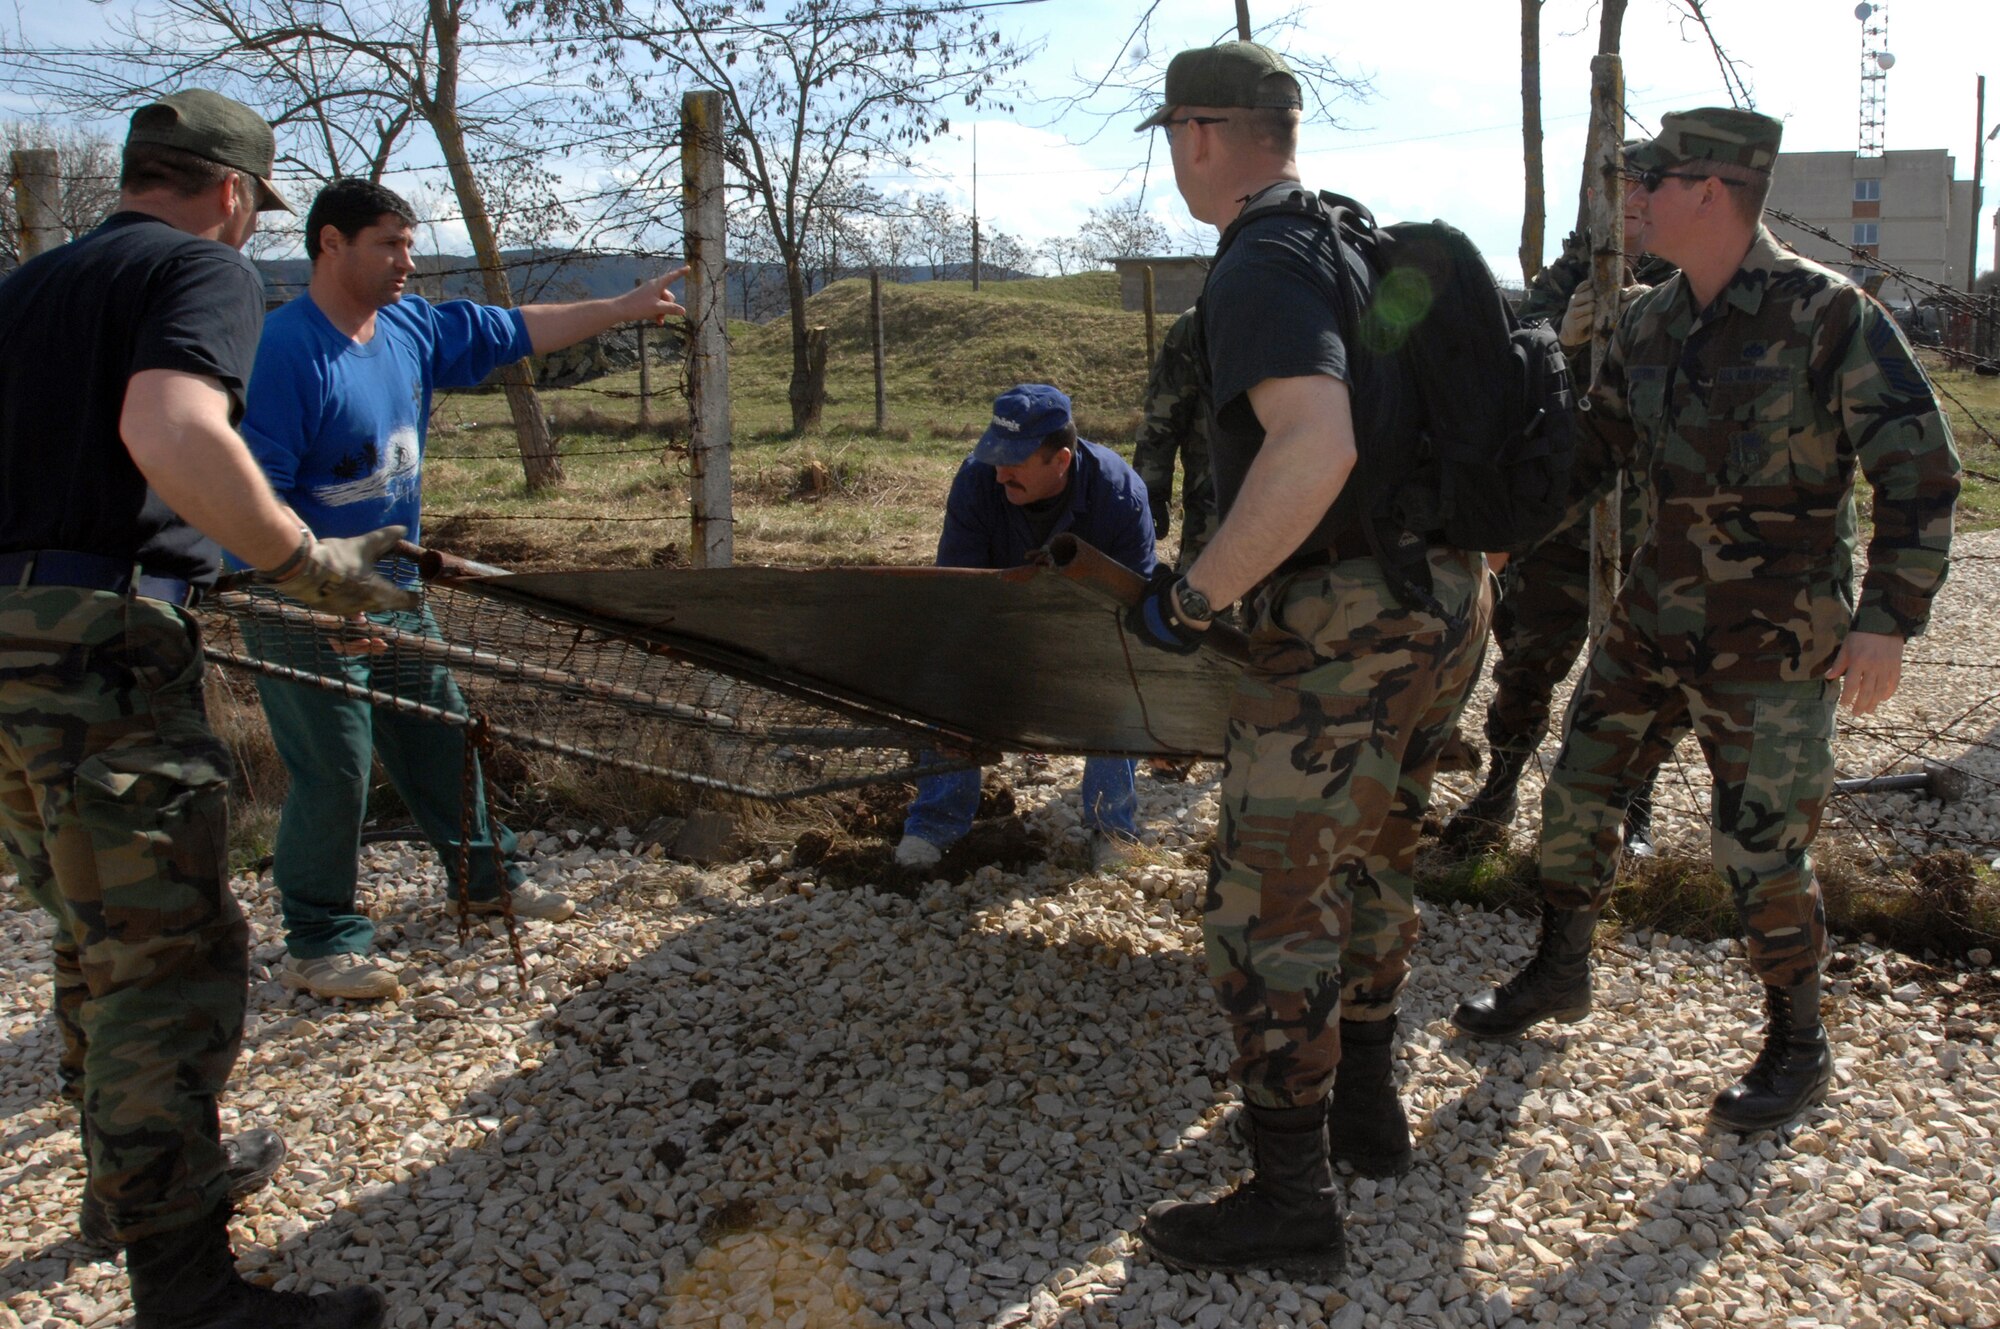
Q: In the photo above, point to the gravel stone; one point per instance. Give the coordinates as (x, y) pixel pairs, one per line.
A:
(734, 1096)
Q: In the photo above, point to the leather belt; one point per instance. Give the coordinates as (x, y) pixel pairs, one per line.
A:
(1349, 544)
(90, 572)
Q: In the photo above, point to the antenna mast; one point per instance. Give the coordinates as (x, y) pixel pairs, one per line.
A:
(1876, 62)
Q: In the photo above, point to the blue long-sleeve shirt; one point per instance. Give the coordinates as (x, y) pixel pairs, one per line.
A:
(339, 425)
(1107, 510)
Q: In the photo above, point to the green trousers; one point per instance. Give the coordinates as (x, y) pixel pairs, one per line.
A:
(328, 743)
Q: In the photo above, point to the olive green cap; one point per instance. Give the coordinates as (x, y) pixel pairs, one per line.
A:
(1715, 134)
(1231, 74)
(213, 127)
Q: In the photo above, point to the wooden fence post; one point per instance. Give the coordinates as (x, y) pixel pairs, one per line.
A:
(1606, 227)
(1152, 344)
(875, 338)
(37, 193)
(645, 373)
(711, 536)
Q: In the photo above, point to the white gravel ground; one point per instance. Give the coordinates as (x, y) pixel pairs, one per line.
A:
(737, 1105)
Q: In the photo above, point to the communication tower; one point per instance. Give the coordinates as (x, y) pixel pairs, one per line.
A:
(1876, 62)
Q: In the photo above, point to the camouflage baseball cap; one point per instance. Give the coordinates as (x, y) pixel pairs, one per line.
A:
(1231, 74)
(213, 127)
(1713, 133)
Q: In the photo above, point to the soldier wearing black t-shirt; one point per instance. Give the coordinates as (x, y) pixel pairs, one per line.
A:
(123, 359)
(1337, 724)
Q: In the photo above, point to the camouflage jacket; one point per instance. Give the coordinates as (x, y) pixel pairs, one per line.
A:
(1548, 294)
(1176, 423)
(1747, 420)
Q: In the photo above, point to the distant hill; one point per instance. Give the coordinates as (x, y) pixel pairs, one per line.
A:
(756, 290)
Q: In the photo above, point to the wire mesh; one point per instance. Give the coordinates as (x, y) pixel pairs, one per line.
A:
(550, 685)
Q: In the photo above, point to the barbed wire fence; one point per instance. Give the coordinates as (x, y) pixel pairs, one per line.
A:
(1880, 821)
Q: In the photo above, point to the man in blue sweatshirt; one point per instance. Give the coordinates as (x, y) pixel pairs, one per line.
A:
(1030, 478)
(339, 403)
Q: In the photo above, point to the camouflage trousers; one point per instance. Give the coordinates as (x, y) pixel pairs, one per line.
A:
(113, 808)
(1198, 526)
(1334, 735)
(1769, 747)
(1540, 624)
(1542, 621)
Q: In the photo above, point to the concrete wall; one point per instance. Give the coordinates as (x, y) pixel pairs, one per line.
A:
(1176, 283)
(1923, 217)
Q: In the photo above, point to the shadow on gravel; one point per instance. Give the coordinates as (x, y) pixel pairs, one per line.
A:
(841, 1116)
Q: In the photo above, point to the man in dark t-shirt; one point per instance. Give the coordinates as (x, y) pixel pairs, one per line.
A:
(1337, 723)
(115, 489)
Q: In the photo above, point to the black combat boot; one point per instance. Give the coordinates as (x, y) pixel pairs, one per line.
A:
(1366, 1127)
(1554, 985)
(1285, 1218)
(187, 1279)
(1639, 824)
(249, 1161)
(1792, 1071)
(1482, 823)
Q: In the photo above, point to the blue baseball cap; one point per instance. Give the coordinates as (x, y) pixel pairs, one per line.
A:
(1022, 417)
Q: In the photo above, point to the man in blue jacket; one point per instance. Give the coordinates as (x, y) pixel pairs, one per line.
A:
(1029, 479)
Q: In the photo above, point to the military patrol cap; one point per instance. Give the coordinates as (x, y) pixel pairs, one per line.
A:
(1231, 74)
(217, 129)
(1022, 417)
(1721, 134)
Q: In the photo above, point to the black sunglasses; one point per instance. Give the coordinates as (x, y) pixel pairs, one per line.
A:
(1168, 125)
(1650, 181)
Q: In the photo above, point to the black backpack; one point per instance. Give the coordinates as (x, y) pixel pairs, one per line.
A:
(1494, 397)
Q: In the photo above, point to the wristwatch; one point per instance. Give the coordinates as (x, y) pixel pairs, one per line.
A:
(1193, 605)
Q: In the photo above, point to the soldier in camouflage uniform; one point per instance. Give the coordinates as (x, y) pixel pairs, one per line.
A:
(1746, 391)
(1176, 424)
(1336, 726)
(113, 790)
(1543, 614)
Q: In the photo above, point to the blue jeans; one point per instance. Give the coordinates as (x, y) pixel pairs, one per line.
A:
(944, 806)
(326, 742)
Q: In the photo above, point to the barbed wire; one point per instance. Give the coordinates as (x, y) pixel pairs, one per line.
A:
(564, 454)
(507, 516)
(1974, 421)
(1949, 296)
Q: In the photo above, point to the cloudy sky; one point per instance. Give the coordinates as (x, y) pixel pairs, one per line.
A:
(1440, 133)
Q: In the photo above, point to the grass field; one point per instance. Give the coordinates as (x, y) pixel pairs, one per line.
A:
(842, 494)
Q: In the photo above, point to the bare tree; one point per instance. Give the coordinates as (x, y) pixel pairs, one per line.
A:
(944, 234)
(1534, 215)
(1131, 79)
(894, 236)
(1122, 230)
(1006, 253)
(1067, 254)
(819, 90)
(1733, 81)
(346, 84)
(89, 167)
(843, 235)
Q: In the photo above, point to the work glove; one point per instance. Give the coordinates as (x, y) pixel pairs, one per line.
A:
(338, 576)
(1153, 619)
(1574, 334)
